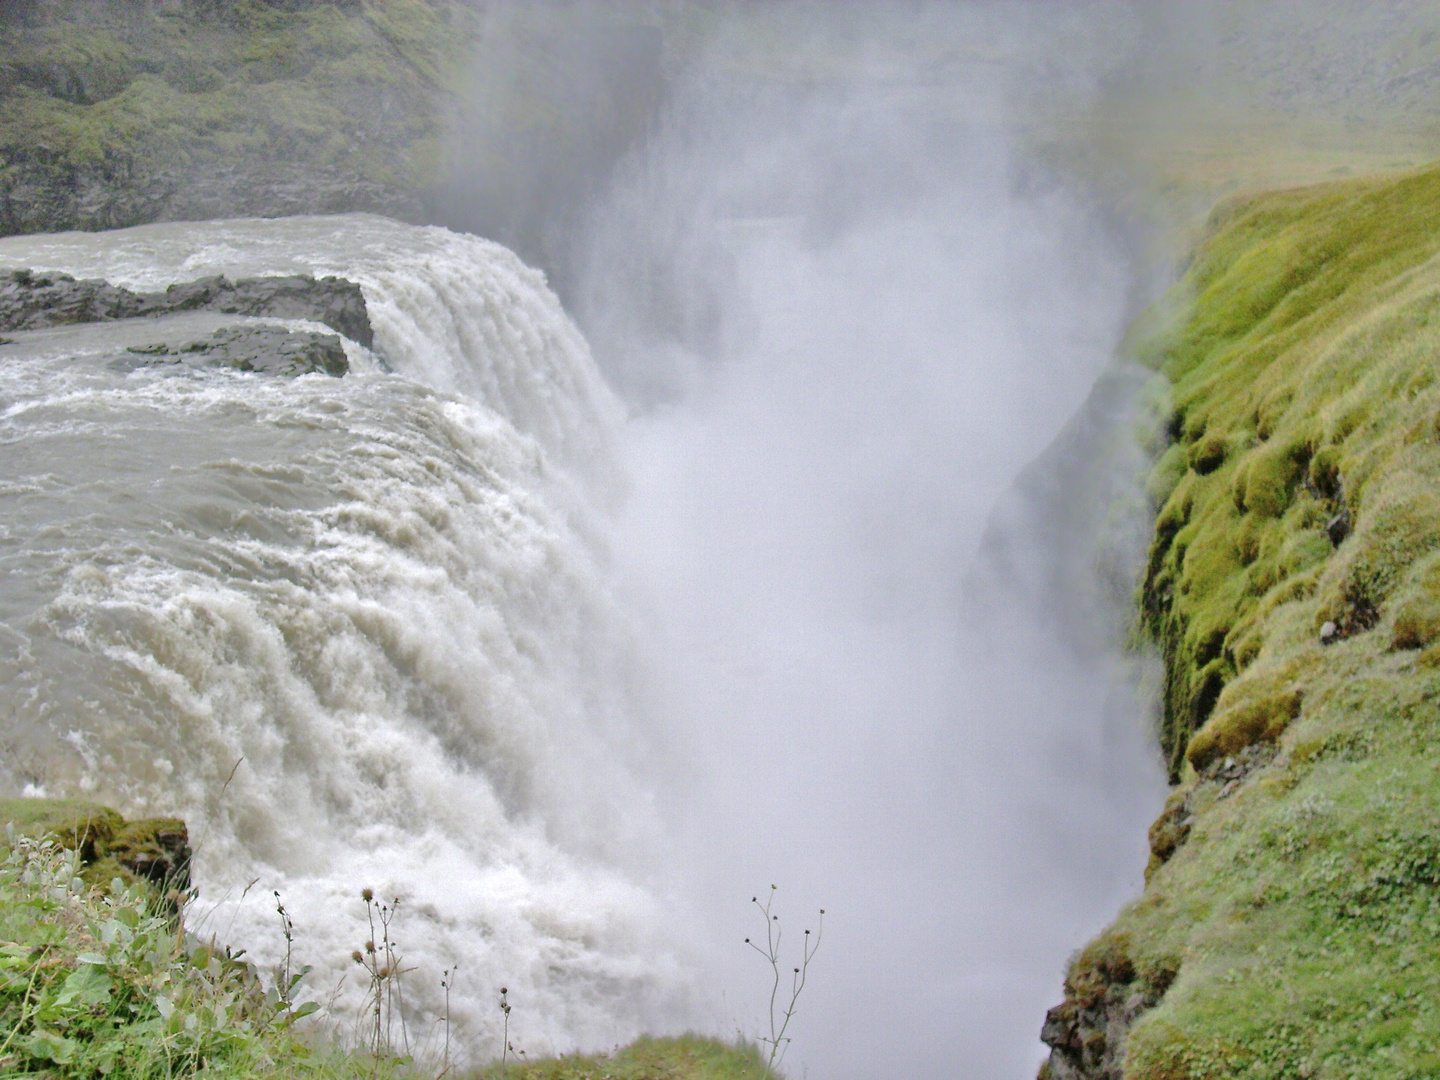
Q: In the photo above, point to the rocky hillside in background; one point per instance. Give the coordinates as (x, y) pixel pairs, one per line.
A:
(120, 112)
(1290, 924)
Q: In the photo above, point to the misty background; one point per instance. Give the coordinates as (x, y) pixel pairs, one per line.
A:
(817, 251)
(859, 272)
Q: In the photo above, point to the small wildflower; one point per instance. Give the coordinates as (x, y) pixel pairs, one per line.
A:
(357, 957)
(367, 895)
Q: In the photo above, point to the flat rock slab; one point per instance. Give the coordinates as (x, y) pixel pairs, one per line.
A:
(34, 301)
(272, 350)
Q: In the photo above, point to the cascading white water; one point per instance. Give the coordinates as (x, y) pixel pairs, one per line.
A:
(356, 631)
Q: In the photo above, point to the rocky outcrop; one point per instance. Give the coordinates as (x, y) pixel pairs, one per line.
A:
(1104, 995)
(271, 350)
(121, 113)
(39, 193)
(154, 852)
(31, 301)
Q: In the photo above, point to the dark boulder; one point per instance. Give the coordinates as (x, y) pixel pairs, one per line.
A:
(33, 301)
(271, 350)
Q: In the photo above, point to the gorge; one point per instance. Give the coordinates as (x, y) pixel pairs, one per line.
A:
(769, 510)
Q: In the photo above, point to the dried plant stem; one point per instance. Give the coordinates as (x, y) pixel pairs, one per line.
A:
(780, 1017)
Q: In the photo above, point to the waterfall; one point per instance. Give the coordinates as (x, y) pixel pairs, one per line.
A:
(358, 632)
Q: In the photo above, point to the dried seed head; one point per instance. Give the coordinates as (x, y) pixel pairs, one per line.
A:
(367, 895)
(357, 957)
(370, 946)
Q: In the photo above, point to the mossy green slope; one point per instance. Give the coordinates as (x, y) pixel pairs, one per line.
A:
(1292, 910)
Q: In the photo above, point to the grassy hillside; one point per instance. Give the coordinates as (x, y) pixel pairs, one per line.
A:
(115, 112)
(1290, 926)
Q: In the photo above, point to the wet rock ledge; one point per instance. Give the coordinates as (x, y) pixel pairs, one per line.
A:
(272, 350)
(35, 301)
(153, 852)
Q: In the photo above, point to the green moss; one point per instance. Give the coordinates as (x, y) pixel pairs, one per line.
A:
(150, 853)
(1166, 475)
(1301, 348)
(1207, 454)
(1259, 715)
(74, 824)
(1302, 900)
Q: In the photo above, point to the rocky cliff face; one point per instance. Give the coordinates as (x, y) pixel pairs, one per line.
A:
(1290, 924)
(120, 112)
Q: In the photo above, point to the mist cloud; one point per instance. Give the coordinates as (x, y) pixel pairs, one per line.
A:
(847, 304)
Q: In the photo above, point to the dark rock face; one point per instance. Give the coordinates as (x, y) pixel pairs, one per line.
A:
(1104, 996)
(31, 301)
(272, 350)
(1338, 527)
(123, 112)
(41, 193)
(1089, 1044)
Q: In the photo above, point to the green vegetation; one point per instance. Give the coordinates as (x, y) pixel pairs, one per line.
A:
(1293, 587)
(152, 854)
(684, 1058)
(95, 982)
(99, 977)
